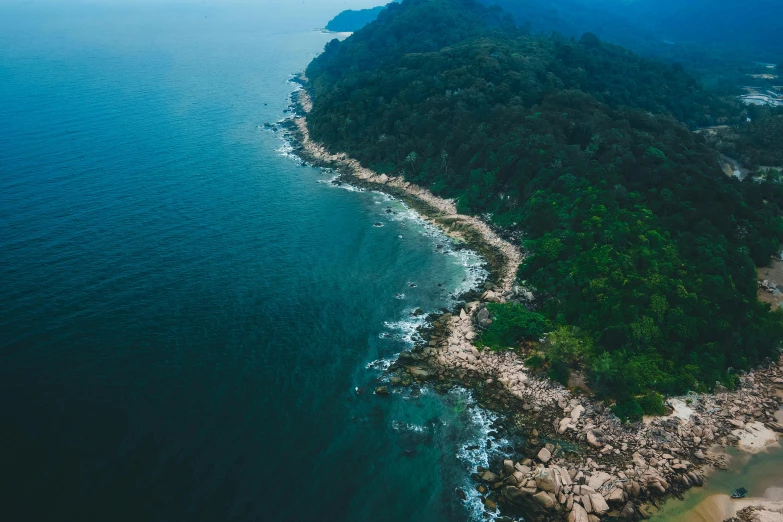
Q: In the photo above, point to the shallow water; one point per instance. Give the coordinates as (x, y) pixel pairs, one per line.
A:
(760, 474)
(192, 322)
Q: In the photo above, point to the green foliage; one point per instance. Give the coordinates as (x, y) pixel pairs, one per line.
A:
(512, 324)
(568, 346)
(535, 360)
(756, 143)
(353, 20)
(652, 404)
(629, 410)
(636, 239)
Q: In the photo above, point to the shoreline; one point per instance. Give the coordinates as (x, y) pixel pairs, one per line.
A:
(591, 465)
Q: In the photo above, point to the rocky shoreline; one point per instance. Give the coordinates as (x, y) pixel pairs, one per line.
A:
(580, 463)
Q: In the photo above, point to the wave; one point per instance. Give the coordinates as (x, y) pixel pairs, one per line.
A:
(474, 452)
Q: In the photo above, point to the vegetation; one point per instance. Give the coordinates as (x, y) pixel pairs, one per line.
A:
(511, 324)
(756, 143)
(642, 252)
(353, 20)
(700, 33)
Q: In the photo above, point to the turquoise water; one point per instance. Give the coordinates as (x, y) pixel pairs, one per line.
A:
(191, 322)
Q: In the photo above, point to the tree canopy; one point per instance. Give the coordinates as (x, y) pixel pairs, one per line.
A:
(635, 235)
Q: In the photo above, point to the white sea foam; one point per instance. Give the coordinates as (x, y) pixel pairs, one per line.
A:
(404, 426)
(380, 364)
(406, 330)
(473, 263)
(474, 453)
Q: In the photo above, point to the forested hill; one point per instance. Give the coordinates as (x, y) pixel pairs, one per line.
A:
(642, 251)
(350, 20)
(706, 35)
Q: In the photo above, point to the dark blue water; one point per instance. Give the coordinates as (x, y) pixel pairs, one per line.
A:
(185, 312)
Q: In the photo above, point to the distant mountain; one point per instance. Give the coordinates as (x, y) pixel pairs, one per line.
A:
(704, 34)
(350, 21)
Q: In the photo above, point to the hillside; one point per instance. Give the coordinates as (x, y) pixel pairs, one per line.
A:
(642, 252)
(353, 20)
(715, 37)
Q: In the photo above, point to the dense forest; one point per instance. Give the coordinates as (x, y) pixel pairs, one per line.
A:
(719, 39)
(708, 35)
(757, 143)
(642, 252)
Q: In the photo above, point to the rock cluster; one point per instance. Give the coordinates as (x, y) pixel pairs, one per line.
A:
(621, 467)
(576, 492)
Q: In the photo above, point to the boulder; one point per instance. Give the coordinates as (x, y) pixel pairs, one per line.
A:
(544, 455)
(508, 467)
(578, 514)
(418, 373)
(547, 481)
(695, 479)
(517, 496)
(382, 391)
(598, 479)
(599, 504)
(593, 439)
(616, 497)
(657, 487)
(577, 412)
(639, 461)
(633, 489)
(587, 503)
(488, 477)
(544, 499)
(628, 512)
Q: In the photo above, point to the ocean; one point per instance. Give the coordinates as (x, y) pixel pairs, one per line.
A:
(192, 322)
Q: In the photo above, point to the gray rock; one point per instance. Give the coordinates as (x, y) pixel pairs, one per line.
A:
(517, 496)
(628, 512)
(593, 439)
(418, 373)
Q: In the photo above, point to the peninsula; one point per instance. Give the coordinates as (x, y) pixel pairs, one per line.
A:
(623, 258)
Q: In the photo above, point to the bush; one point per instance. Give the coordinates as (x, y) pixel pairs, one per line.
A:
(652, 404)
(628, 410)
(511, 324)
(535, 360)
(559, 373)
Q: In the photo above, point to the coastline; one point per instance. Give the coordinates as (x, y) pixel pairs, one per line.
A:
(579, 462)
